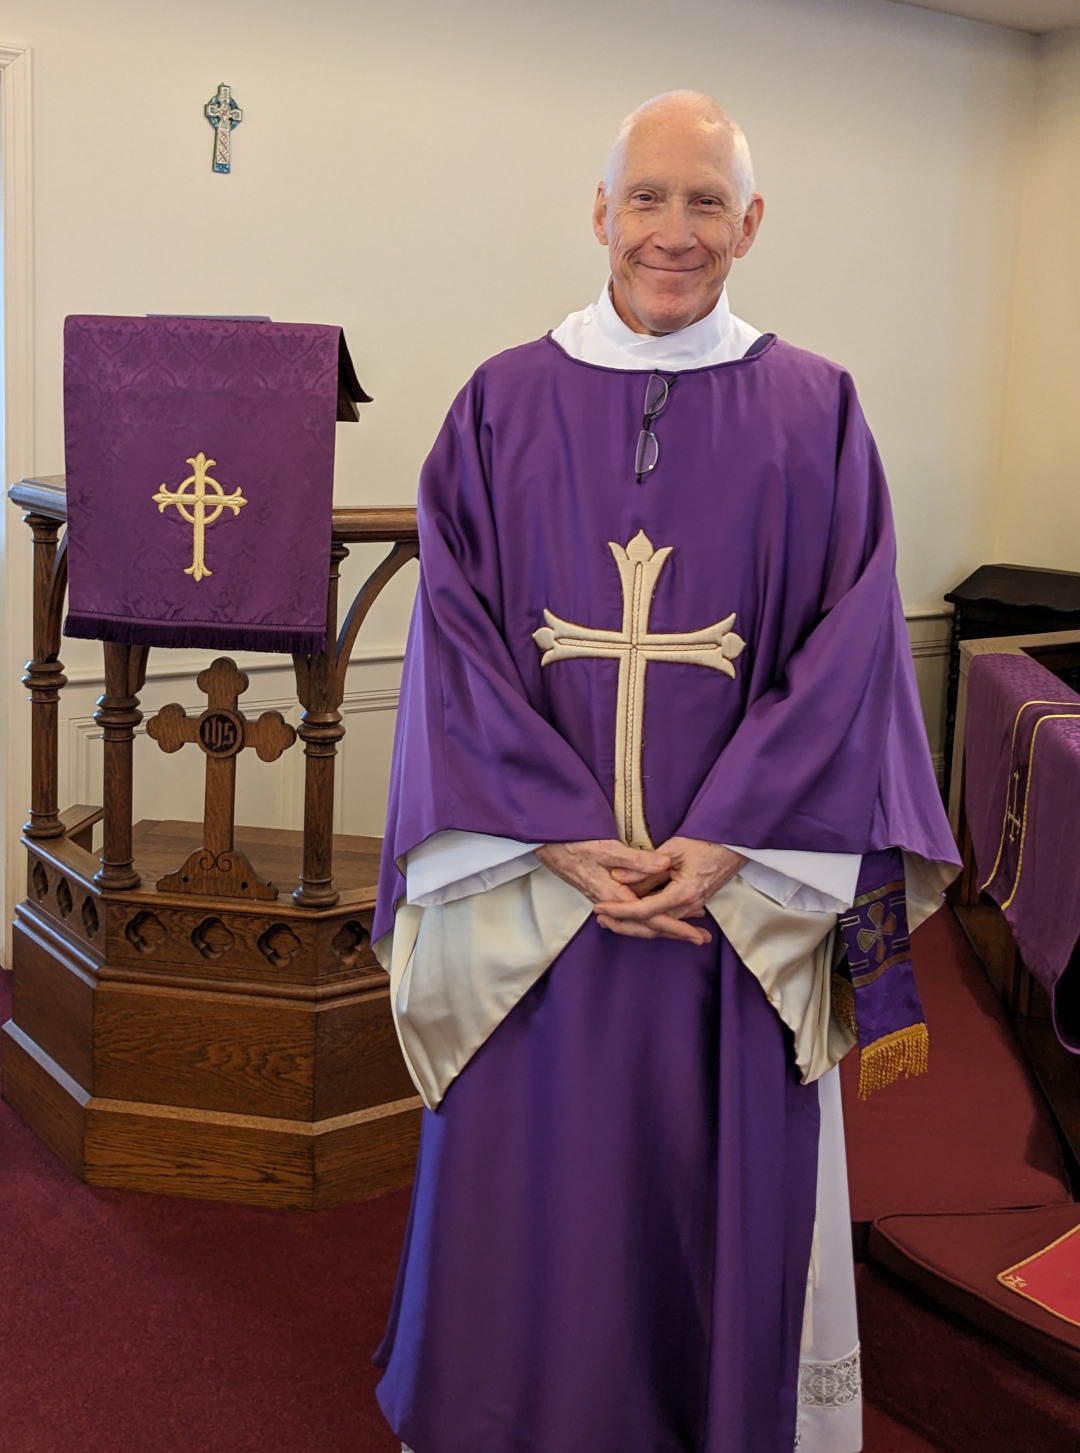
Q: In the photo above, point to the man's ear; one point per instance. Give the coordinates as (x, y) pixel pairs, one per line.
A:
(751, 223)
(599, 215)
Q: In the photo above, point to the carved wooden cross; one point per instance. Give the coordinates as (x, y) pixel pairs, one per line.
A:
(634, 647)
(223, 114)
(222, 732)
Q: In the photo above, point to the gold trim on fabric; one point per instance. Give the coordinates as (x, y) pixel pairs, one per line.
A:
(843, 1003)
(905, 1052)
(865, 898)
(1014, 1283)
(1057, 716)
(860, 980)
(1009, 804)
(717, 646)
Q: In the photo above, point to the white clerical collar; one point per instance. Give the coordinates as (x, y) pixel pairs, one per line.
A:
(598, 335)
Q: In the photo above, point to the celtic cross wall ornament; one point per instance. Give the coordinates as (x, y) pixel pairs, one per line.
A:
(223, 114)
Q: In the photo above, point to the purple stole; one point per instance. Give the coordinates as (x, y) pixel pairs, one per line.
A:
(874, 989)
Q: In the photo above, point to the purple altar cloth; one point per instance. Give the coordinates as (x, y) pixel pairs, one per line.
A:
(160, 411)
(611, 1220)
(1022, 798)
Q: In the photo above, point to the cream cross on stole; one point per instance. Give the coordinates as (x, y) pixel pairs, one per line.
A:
(634, 647)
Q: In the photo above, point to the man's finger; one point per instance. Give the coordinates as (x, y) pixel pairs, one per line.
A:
(677, 898)
(618, 855)
(662, 927)
(627, 930)
(616, 893)
(640, 882)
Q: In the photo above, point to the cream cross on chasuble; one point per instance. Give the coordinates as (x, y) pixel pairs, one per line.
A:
(634, 647)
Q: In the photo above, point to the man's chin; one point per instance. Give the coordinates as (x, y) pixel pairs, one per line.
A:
(670, 317)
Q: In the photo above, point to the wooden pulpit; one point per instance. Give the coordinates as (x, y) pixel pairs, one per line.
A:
(196, 1008)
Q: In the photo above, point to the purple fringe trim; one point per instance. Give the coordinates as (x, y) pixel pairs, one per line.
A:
(200, 635)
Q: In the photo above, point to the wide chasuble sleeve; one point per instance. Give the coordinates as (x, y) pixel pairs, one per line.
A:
(554, 686)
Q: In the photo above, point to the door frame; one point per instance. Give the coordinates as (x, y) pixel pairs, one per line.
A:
(17, 432)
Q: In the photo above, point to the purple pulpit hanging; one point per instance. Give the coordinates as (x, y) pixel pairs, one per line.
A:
(200, 472)
(1022, 799)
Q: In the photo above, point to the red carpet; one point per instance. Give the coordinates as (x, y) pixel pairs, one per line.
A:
(973, 1134)
(150, 1324)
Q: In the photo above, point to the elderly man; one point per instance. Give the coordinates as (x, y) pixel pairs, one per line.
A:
(659, 763)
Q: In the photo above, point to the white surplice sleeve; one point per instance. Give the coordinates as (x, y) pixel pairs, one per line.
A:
(451, 865)
(812, 882)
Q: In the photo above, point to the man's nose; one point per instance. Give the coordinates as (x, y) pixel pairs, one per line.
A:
(675, 233)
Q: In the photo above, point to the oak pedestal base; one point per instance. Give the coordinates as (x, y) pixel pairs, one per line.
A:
(222, 1048)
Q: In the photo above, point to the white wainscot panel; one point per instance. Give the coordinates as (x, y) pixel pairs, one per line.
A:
(929, 633)
(268, 794)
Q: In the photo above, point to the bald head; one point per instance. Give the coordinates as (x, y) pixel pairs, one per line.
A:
(676, 207)
(685, 110)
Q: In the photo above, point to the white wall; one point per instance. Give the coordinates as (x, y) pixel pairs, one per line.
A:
(422, 173)
(1038, 507)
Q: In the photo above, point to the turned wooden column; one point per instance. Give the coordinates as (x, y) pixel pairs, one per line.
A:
(320, 730)
(44, 676)
(118, 715)
(320, 684)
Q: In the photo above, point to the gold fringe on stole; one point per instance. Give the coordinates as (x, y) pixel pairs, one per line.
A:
(907, 1052)
(843, 1004)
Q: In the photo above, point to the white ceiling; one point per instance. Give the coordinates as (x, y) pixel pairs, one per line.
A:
(1036, 15)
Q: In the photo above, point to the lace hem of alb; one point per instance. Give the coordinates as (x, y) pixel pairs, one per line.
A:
(830, 1384)
(821, 1384)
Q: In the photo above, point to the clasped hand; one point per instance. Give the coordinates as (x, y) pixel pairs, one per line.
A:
(646, 894)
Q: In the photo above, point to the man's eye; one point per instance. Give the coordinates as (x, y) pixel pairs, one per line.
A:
(643, 197)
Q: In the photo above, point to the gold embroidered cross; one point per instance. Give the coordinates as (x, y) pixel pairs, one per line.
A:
(634, 647)
(1012, 804)
(883, 927)
(206, 507)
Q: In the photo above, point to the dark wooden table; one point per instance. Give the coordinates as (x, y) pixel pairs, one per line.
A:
(1008, 600)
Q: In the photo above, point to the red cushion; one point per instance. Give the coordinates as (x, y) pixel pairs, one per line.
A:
(972, 1134)
(954, 1260)
(962, 1391)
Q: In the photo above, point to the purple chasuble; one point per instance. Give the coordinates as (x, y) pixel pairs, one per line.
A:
(200, 476)
(1022, 799)
(614, 1202)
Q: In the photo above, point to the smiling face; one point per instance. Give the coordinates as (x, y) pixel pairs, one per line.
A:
(673, 220)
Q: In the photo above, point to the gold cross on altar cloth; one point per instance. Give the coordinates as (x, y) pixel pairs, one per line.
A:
(634, 647)
(1012, 807)
(206, 507)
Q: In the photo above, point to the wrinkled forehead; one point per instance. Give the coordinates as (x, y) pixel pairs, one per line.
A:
(678, 152)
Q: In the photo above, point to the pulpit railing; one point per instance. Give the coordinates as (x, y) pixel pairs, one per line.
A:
(320, 684)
